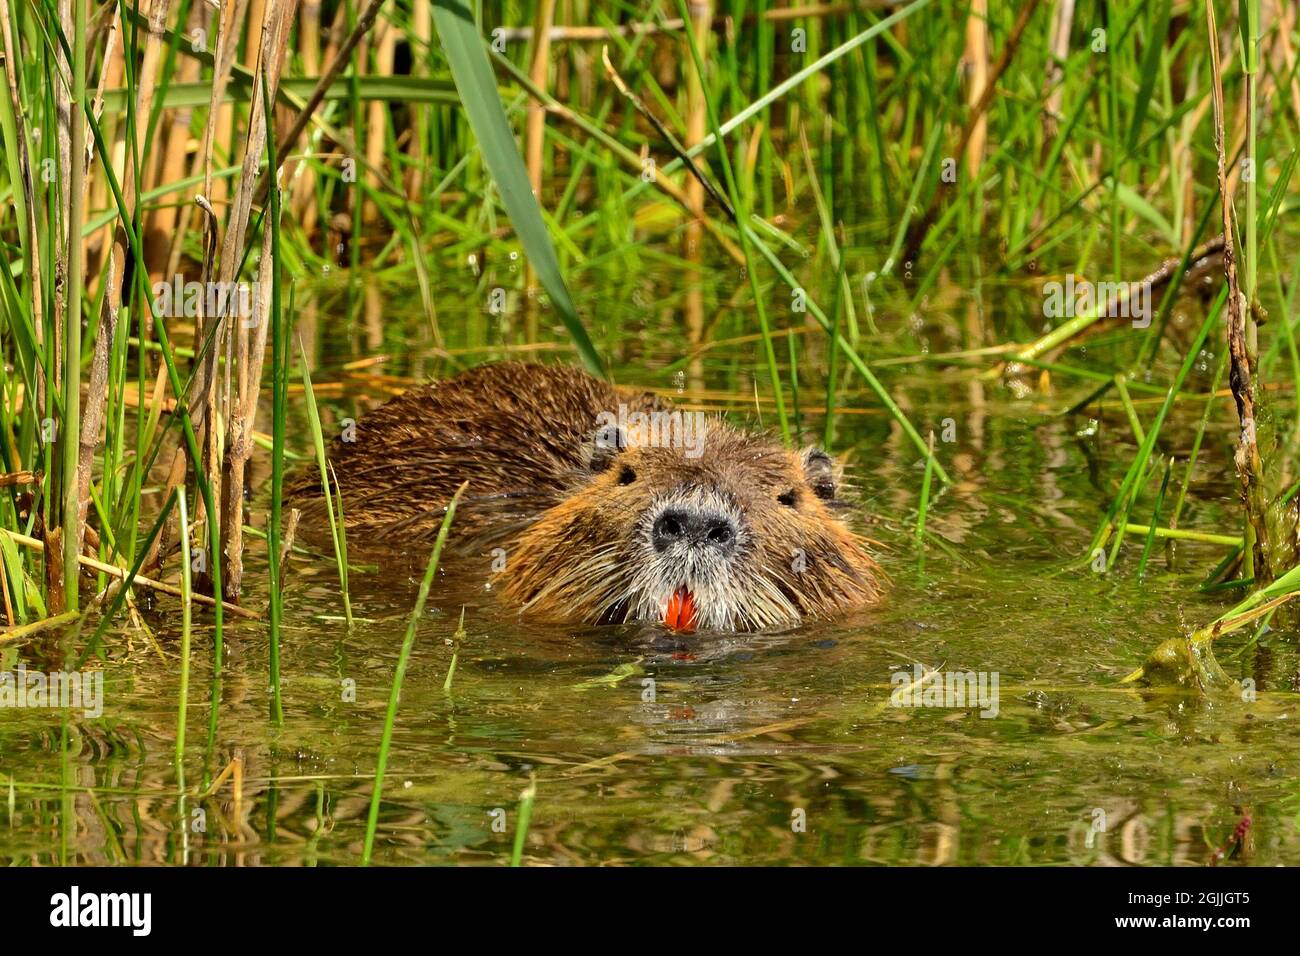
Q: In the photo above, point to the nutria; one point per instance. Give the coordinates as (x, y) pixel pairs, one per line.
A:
(610, 504)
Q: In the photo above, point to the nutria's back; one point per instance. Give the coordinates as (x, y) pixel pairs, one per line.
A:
(609, 504)
(512, 429)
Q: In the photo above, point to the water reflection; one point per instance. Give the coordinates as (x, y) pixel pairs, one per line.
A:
(751, 749)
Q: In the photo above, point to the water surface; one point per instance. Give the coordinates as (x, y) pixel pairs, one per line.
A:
(752, 749)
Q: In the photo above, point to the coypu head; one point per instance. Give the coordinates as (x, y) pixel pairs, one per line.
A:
(735, 533)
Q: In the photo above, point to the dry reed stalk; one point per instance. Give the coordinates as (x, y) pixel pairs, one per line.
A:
(422, 31)
(226, 44)
(112, 570)
(258, 11)
(69, 297)
(239, 426)
(110, 77)
(337, 63)
(211, 331)
(582, 34)
(177, 471)
(534, 132)
(977, 62)
(1250, 469)
(92, 419)
(241, 406)
(678, 149)
(173, 258)
(260, 15)
(301, 176)
(1227, 49)
(107, 59)
(147, 80)
(1058, 50)
(97, 396)
(241, 205)
(1282, 52)
(166, 226)
(224, 133)
(10, 618)
(917, 234)
(663, 183)
(62, 93)
(697, 122)
(225, 41)
(535, 137)
(385, 40)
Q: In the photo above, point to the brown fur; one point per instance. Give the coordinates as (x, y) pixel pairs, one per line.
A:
(574, 516)
(509, 428)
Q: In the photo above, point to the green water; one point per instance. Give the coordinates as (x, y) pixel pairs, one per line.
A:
(756, 749)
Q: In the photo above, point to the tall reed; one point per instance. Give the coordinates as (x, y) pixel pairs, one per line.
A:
(579, 147)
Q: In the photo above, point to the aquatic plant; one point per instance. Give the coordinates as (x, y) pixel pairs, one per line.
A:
(177, 182)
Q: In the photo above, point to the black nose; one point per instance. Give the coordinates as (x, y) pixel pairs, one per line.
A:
(703, 530)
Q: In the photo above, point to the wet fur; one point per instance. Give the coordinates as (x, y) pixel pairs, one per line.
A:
(574, 514)
(508, 428)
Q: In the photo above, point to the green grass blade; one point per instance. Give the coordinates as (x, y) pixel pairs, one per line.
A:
(478, 90)
(403, 659)
(521, 822)
(337, 531)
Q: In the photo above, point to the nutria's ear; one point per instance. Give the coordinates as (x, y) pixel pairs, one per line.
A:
(819, 472)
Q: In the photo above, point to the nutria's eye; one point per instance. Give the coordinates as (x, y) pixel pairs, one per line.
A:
(599, 459)
(603, 449)
(787, 499)
(626, 476)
